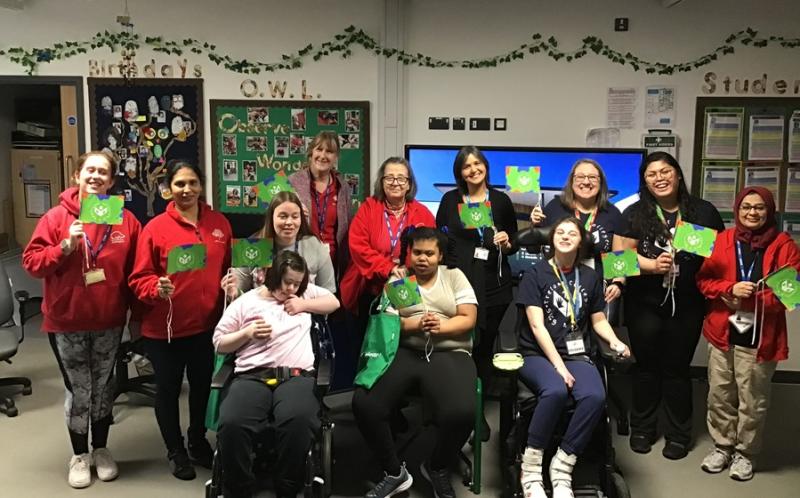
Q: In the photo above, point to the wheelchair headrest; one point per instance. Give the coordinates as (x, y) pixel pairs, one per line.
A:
(532, 238)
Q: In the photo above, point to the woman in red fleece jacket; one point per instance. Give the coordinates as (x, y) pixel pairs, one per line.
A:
(86, 301)
(374, 242)
(181, 310)
(746, 330)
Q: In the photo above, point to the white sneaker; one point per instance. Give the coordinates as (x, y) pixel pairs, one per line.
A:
(105, 465)
(532, 486)
(80, 471)
(716, 461)
(741, 468)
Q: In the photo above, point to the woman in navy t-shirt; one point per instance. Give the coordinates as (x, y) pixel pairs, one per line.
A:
(563, 301)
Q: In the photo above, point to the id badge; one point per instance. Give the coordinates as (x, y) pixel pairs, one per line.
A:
(742, 321)
(575, 343)
(675, 272)
(481, 253)
(94, 276)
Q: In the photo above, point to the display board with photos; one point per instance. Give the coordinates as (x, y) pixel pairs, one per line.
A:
(143, 123)
(253, 140)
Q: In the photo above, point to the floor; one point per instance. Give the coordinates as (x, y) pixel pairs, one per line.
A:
(35, 449)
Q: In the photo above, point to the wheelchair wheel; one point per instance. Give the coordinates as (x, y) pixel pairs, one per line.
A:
(619, 488)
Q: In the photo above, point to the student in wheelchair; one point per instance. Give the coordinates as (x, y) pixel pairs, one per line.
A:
(563, 301)
(268, 329)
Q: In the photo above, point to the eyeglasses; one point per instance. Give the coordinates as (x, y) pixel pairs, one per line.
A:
(758, 208)
(586, 178)
(652, 176)
(398, 180)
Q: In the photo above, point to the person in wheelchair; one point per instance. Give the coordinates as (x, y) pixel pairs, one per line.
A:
(268, 329)
(434, 356)
(563, 300)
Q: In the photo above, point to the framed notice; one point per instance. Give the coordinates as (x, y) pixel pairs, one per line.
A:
(720, 184)
(37, 198)
(764, 176)
(722, 135)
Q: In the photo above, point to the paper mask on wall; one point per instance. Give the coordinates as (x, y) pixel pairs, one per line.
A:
(177, 102)
(152, 105)
(166, 102)
(131, 110)
(106, 104)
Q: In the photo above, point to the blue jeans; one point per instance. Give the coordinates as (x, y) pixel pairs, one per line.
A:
(541, 377)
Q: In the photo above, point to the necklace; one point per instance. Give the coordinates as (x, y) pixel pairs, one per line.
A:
(397, 211)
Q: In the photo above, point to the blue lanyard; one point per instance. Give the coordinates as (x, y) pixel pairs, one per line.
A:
(94, 254)
(468, 201)
(744, 277)
(323, 210)
(573, 301)
(394, 238)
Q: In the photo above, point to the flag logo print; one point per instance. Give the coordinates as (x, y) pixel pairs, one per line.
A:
(271, 187)
(404, 292)
(101, 209)
(788, 287)
(253, 253)
(523, 180)
(620, 264)
(475, 214)
(694, 239)
(185, 259)
(784, 283)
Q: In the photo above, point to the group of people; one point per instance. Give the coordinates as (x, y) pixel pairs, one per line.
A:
(97, 278)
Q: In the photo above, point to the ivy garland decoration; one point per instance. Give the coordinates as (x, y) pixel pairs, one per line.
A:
(344, 43)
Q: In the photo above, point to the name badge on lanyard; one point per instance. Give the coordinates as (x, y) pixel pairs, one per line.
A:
(93, 274)
(481, 253)
(743, 321)
(394, 238)
(574, 339)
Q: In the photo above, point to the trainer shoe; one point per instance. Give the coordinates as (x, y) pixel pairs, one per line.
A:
(181, 465)
(716, 461)
(104, 464)
(80, 471)
(392, 485)
(741, 468)
(201, 452)
(440, 481)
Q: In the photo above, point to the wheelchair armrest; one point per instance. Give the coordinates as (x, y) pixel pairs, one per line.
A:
(222, 376)
(323, 382)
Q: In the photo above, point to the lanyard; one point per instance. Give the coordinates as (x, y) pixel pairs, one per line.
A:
(589, 220)
(394, 238)
(661, 217)
(322, 211)
(94, 254)
(744, 277)
(573, 301)
(468, 201)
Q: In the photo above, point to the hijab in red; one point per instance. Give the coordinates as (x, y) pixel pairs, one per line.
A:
(760, 238)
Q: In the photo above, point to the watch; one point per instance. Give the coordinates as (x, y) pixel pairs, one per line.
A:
(65, 246)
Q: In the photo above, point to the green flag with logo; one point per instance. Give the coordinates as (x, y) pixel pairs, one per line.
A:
(476, 214)
(255, 253)
(271, 187)
(404, 292)
(186, 258)
(785, 283)
(620, 264)
(102, 209)
(694, 239)
(523, 180)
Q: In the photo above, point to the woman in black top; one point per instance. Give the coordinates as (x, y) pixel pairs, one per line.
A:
(585, 196)
(664, 310)
(481, 254)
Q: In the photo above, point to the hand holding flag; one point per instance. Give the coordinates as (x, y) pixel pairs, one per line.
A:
(404, 292)
(694, 239)
(476, 214)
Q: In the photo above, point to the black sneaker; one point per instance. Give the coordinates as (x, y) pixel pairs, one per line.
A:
(674, 450)
(201, 452)
(392, 485)
(181, 465)
(440, 481)
(641, 443)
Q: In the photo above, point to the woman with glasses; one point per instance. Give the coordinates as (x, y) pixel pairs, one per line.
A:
(374, 239)
(481, 254)
(585, 196)
(746, 330)
(664, 309)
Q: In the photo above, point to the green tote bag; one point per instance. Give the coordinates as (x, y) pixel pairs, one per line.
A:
(380, 345)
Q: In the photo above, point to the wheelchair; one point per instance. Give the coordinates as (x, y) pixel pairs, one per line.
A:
(319, 459)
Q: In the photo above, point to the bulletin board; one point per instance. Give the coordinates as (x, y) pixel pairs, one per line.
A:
(143, 123)
(252, 140)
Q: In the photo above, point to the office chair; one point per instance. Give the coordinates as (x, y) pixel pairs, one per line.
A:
(9, 343)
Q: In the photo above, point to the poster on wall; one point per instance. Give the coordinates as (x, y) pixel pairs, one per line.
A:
(257, 144)
(144, 123)
(659, 107)
(722, 133)
(765, 138)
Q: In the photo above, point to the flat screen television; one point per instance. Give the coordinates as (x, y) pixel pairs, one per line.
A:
(433, 169)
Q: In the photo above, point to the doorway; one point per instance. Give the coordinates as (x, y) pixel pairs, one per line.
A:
(41, 137)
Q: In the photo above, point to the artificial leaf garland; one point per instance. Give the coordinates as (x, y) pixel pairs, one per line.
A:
(352, 37)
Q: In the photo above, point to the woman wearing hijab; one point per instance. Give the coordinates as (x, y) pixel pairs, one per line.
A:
(746, 330)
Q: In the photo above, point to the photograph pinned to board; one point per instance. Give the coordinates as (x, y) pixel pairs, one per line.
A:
(722, 133)
(763, 176)
(603, 137)
(621, 105)
(792, 191)
(765, 142)
(298, 120)
(794, 138)
(659, 107)
(720, 181)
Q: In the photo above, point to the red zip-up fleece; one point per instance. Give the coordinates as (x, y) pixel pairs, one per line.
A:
(371, 262)
(69, 304)
(718, 275)
(197, 300)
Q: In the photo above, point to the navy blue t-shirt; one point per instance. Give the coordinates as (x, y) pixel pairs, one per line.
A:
(606, 223)
(541, 287)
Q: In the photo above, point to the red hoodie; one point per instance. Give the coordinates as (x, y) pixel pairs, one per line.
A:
(69, 304)
(371, 262)
(718, 275)
(197, 300)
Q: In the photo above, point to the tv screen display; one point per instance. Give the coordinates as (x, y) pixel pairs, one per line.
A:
(433, 169)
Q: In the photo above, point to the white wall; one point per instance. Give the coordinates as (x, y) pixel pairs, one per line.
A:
(546, 103)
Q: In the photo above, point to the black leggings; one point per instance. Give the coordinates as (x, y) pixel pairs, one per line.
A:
(195, 354)
(664, 346)
(447, 384)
